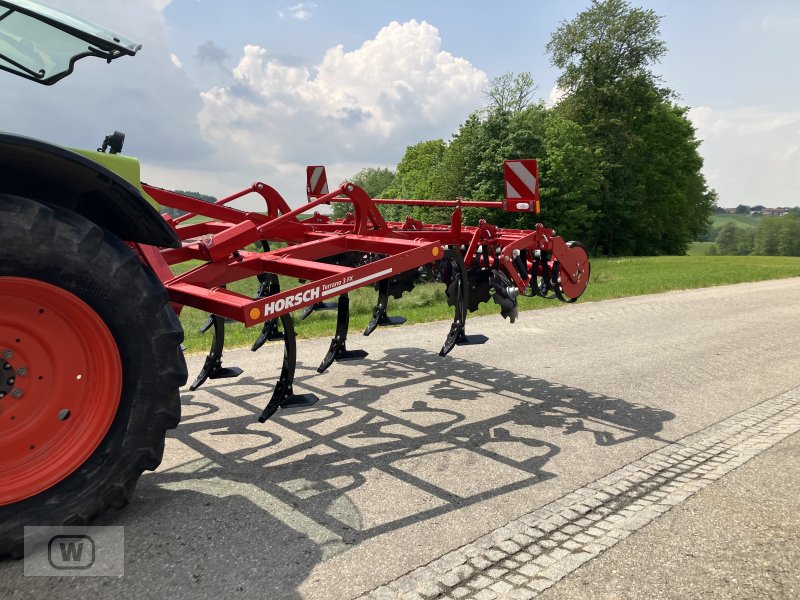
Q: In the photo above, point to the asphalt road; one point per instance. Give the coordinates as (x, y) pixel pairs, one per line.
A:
(409, 455)
(739, 538)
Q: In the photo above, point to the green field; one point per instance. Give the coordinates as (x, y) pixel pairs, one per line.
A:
(719, 220)
(699, 248)
(610, 278)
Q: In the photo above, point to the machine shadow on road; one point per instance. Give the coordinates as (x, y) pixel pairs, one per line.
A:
(393, 442)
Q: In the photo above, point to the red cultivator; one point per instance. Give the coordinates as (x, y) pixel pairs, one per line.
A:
(332, 257)
(90, 360)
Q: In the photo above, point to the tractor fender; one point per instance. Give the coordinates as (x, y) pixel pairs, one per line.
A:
(55, 175)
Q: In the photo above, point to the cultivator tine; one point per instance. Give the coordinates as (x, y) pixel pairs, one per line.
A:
(269, 285)
(283, 395)
(458, 297)
(207, 325)
(317, 306)
(269, 333)
(212, 368)
(210, 323)
(338, 349)
(379, 316)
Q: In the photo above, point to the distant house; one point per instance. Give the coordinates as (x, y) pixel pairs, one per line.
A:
(760, 210)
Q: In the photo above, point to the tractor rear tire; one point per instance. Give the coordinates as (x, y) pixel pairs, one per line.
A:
(90, 369)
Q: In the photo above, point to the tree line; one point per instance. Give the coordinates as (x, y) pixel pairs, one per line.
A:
(773, 236)
(619, 166)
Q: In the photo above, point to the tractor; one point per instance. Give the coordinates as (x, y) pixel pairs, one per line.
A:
(91, 356)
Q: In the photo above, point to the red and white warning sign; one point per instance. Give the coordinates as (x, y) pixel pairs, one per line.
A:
(316, 182)
(522, 185)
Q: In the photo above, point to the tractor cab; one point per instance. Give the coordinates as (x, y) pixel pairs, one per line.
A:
(43, 44)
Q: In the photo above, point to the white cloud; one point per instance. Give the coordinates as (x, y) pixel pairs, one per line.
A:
(355, 108)
(556, 95)
(751, 154)
(301, 12)
(359, 107)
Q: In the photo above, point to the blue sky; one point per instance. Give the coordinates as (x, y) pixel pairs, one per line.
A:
(225, 93)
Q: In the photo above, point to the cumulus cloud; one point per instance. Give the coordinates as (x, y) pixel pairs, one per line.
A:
(353, 108)
(751, 154)
(358, 107)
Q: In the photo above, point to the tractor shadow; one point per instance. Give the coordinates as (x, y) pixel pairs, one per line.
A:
(392, 442)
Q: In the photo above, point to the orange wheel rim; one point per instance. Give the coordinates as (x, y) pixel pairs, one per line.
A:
(60, 385)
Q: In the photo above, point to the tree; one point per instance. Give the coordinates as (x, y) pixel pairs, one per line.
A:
(789, 236)
(727, 238)
(652, 195)
(569, 179)
(742, 209)
(417, 177)
(511, 93)
(372, 180)
(606, 45)
(416, 171)
(768, 237)
(778, 236)
(745, 243)
(674, 205)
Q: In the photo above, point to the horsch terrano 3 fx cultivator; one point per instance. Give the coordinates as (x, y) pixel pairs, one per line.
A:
(90, 355)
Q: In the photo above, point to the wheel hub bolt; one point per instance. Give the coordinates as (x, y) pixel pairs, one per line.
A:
(22, 371)
(8, 354)
(17, 393)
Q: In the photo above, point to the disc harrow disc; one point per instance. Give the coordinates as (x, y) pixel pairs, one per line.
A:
(402, 283)
(479, 289)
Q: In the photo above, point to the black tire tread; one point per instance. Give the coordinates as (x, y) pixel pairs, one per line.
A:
(109, 476)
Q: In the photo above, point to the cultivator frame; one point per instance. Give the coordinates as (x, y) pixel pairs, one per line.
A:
(330, 257)
(90, 347)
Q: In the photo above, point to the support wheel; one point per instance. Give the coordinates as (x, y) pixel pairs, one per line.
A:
(565, 288)
(90, 367)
